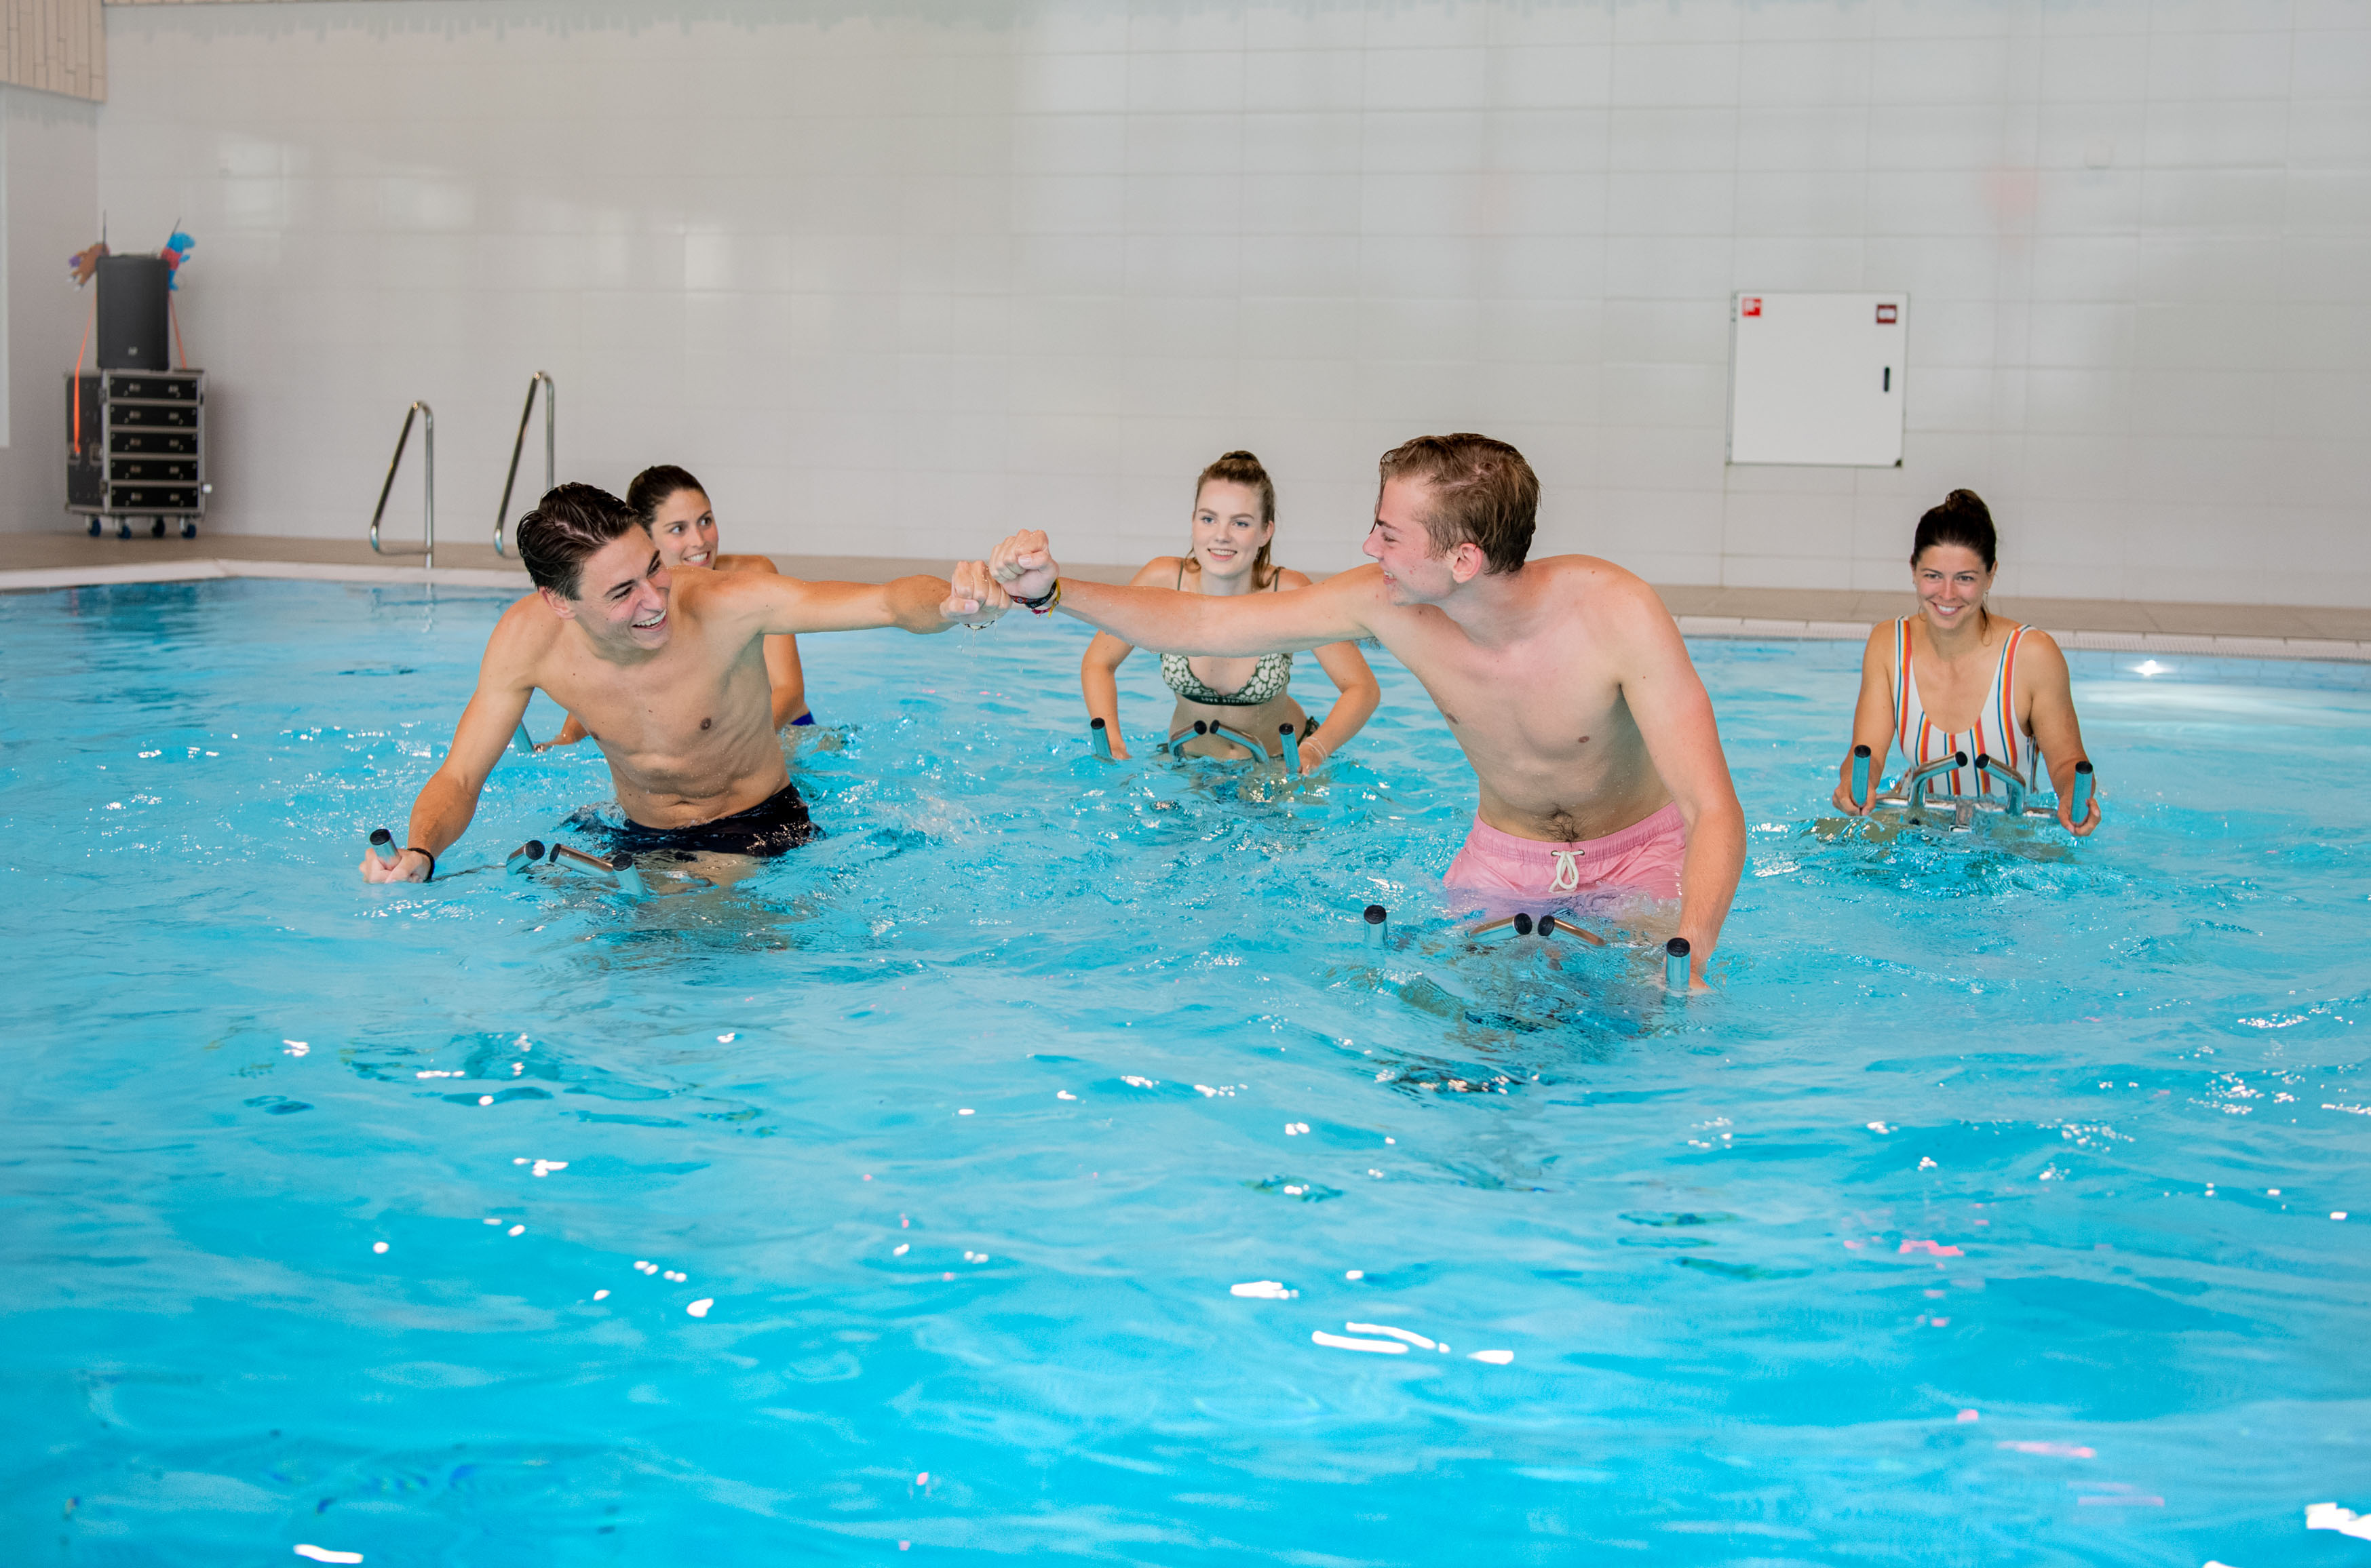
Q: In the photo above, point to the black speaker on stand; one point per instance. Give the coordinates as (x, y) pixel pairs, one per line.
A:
(135, 328)
(136, 442)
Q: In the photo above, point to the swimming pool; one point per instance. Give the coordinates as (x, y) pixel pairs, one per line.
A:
(1988, 1217)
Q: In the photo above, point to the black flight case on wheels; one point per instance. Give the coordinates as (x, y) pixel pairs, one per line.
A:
(137, 448)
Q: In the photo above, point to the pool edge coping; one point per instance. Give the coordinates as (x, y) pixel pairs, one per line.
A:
(38, 578)
(35, 578)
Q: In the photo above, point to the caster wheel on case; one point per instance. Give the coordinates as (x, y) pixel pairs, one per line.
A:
(123, 528)
(97, 528)
(189, 530)
(157, 528)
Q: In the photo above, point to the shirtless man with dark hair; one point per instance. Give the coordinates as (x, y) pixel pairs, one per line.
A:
(1565, 680)
(668, 673)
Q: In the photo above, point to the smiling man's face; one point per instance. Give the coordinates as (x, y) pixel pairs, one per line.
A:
(621, 595)
(1401, 544)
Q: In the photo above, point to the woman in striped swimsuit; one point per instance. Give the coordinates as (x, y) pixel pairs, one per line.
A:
(1234, 523)
(1955, 678)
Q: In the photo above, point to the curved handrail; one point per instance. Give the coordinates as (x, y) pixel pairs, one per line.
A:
(428, 480)
(550, 471)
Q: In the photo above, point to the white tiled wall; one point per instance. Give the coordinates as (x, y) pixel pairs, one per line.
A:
(897, 278)
(50, 145)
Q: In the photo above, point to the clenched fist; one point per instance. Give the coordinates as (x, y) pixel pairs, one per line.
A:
(974, 596)
(1024, 565)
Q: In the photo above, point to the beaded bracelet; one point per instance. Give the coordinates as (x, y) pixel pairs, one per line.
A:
(1042, 607)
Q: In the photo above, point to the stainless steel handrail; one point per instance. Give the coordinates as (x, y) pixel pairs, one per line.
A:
(550, 469)
(428, 481)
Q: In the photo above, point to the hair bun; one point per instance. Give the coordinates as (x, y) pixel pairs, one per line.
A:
(1959, 518)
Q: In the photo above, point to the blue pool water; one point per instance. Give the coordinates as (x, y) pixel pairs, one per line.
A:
(1947, 1234)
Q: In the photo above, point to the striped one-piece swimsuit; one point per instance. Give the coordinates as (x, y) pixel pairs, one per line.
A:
(1996, 735)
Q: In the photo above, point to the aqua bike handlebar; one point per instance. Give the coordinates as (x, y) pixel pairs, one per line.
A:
(2010, 782)
(618, 870)
(1521, 924)
(516, 863)
(1379, 926)
(1675, 965)
(1099, 736)
(2016, 795)
(1288, 742)
(1218, 727)
(1914, 787)
(1860, 778)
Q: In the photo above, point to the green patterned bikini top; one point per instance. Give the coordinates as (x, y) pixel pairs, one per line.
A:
(1269, 679)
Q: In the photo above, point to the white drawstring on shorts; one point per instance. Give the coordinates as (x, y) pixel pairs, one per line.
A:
(1568, 877)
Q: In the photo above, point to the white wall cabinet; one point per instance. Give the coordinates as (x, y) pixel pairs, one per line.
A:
(1816, 378)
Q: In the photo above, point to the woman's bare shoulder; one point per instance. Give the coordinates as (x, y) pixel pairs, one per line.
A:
(748, 563)
(2041, 647)
(1161, 571)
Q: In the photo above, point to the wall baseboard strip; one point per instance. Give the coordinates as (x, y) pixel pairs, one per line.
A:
(2332, 649)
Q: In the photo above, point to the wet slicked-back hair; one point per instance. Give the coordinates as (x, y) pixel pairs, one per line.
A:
(1482, 491)
(1963, 519)
(656, 485)
(1242, 469)
(567, 525)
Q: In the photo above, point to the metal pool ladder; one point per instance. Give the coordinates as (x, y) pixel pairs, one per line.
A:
(550, 472)
(428, 482)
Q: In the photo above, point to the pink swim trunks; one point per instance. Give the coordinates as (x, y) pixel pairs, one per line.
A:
(1643, 858)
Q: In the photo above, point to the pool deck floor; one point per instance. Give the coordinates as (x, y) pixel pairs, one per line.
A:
(62, 559)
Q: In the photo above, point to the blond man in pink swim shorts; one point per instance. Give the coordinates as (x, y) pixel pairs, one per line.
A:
(1565, 680)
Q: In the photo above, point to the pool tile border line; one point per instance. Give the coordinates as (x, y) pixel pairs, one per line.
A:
(40, 578)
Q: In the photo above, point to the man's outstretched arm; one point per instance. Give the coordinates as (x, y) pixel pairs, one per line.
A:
(1673, 712)
(919, 605)
(1162, 621)
(441, 813)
